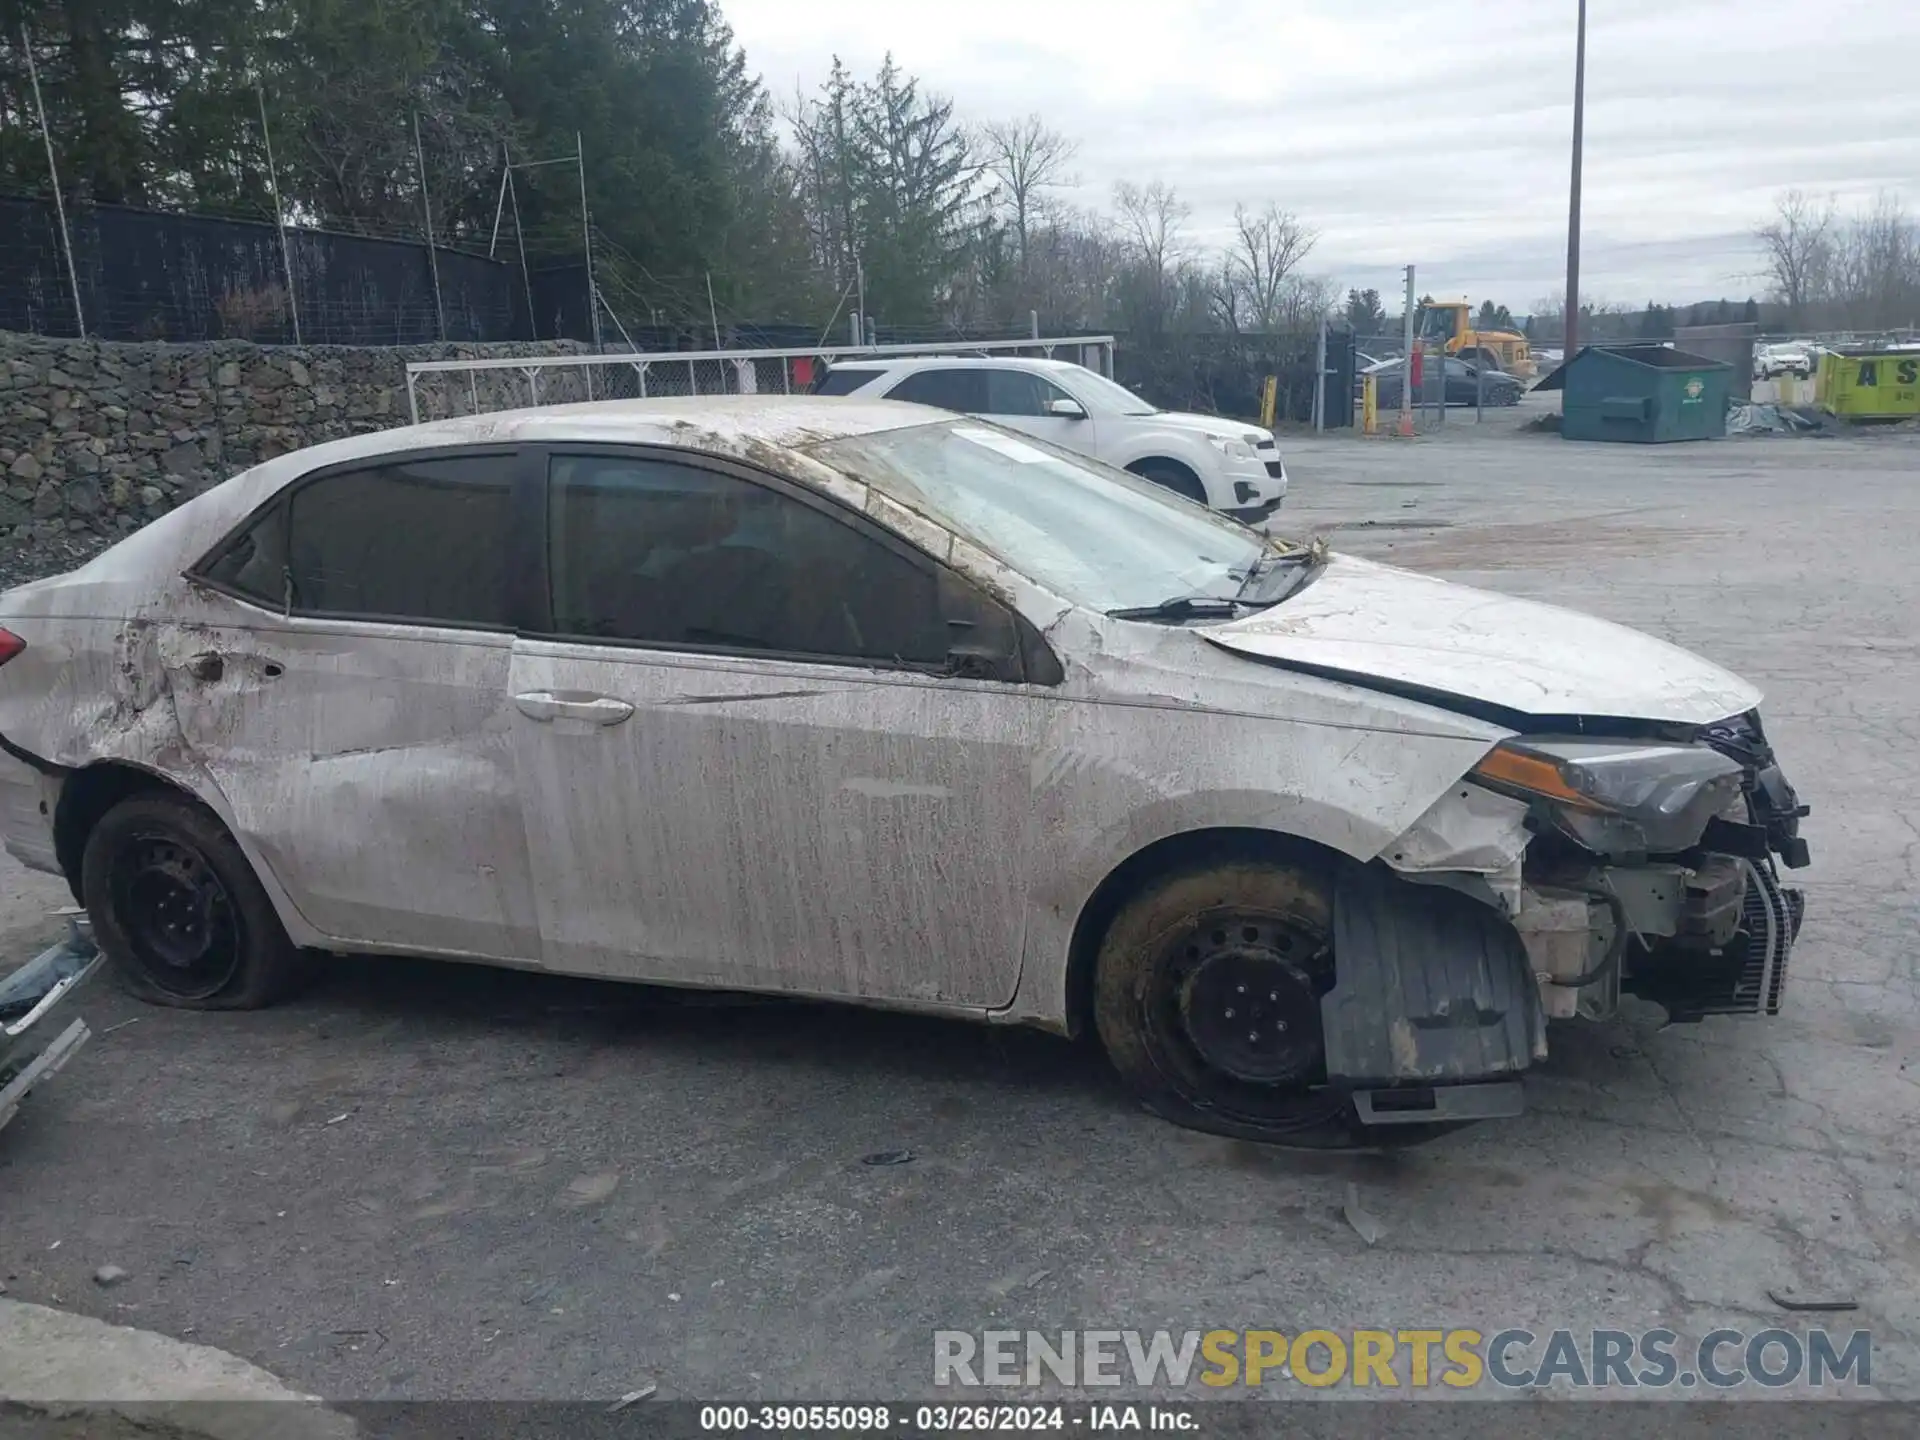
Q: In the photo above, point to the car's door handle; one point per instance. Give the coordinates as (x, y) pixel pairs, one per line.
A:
(595, 709)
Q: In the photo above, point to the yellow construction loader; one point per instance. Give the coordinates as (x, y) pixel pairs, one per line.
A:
(1447, 325)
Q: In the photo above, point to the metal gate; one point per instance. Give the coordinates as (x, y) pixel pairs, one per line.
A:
(441, 389)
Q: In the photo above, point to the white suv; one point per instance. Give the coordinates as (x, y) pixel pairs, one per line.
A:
(1225, 464)
(1776, 360)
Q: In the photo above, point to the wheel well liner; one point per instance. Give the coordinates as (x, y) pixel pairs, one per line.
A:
(86, 796)
(1165, 462)
(1170, 853)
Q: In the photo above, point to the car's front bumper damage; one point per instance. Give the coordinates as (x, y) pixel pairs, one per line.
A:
(39, 1033)
(1517, 918)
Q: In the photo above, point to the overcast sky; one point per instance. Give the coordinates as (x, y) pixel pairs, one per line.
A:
(1434, 132)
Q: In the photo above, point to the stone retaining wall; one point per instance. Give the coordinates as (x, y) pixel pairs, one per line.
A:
(98, 438)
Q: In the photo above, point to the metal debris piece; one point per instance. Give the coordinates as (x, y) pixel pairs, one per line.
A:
(121, 1026)
(631, 1397)
(32, 1045)
(1826, 1306)
(1364, 1224)
(108, 1276)
(888, 1157)
(343, 1115)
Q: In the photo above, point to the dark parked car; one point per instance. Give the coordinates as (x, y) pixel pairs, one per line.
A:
(1464, 385)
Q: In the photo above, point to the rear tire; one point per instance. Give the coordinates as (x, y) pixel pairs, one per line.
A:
(179, 913)
(1172, 475)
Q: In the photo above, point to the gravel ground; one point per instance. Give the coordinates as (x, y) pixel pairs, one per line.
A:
(22, 562)
(433, 1181)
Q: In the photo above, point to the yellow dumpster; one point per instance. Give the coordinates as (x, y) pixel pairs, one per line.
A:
(1869, 385)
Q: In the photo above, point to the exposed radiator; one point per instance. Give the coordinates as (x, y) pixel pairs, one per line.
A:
(1746, 976)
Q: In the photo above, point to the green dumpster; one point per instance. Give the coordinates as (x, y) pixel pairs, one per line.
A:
(1641, 393)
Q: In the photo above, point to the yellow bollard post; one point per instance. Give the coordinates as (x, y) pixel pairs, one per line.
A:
(1370, 404)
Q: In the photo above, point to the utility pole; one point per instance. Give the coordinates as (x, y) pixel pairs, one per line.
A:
(586, 250)
(426, 209)
(279, 216)
(1406, 379)
(53, 175)
(860, 301)
(1572, 326)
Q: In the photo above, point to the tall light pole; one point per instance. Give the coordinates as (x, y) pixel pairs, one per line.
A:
(1572, 340)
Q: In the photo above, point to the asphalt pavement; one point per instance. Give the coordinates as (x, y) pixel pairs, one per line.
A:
(436, 1181)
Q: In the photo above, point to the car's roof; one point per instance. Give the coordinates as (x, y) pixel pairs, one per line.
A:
(786, 420)
(721, 424)
(735, 425)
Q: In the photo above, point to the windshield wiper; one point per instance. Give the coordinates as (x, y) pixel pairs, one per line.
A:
(1182, 607)
(1303, 561)
(1255, 592)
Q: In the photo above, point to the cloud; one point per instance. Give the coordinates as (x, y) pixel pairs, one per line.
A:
(1427, 131)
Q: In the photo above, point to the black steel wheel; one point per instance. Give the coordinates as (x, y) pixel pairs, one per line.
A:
(178, 911)
(178, 916)
(1207, 1000)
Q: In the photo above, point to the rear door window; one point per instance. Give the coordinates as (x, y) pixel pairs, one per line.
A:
(961, 390)
(844, 381)
(422, 540)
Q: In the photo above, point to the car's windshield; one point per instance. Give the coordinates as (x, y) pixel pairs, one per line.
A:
(1096, 536)
(1111, 396)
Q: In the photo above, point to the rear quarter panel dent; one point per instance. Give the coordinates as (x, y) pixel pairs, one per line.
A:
(91, 691)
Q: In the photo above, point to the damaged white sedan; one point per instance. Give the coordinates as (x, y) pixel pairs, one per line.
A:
(855, 700)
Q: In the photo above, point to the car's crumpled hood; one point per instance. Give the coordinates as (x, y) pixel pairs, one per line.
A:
(1367, 621)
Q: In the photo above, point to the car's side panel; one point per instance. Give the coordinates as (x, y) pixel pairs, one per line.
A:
(764, 824)
(1078, 435)
(1122, 448)
(90, 691)
(1337, 765)
(370, 767)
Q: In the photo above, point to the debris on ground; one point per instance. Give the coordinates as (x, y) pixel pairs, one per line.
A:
(32, 1045)
(630, 1398)
(1759, 417)
(1366, 1225)
(1787, 1302)
(108, 1276)
(888, 1157)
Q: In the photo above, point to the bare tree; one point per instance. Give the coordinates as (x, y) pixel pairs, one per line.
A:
(1225, 293)
(1077, 259)
(1799, 249)
(1875, 278)
(1267, 248)
(1152, 217)
(1026, 157)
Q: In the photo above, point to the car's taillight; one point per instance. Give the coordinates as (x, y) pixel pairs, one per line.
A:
(10, 645)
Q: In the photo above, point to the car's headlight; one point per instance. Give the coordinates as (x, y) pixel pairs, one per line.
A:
(1615, 796)
(1231, 445)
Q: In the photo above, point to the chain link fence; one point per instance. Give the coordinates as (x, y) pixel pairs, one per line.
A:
(149, 275)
